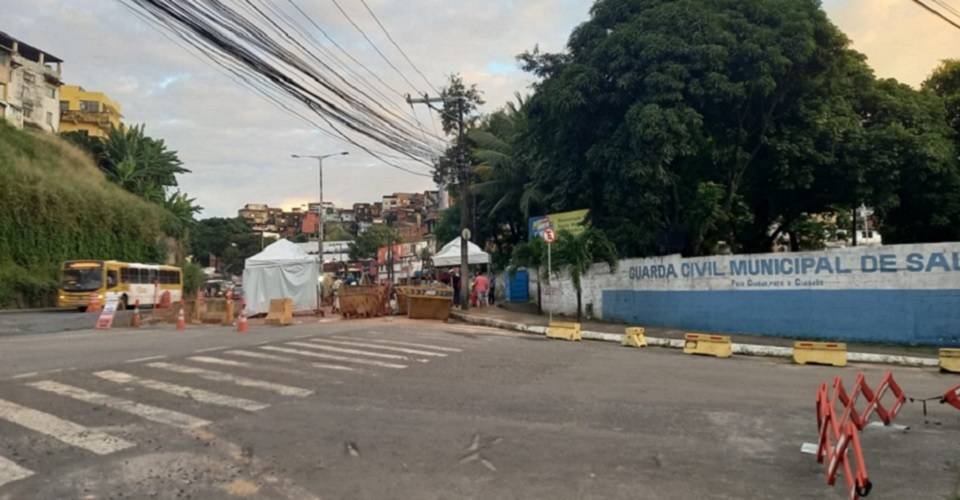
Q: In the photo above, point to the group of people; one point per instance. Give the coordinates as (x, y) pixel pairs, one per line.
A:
(482, 288)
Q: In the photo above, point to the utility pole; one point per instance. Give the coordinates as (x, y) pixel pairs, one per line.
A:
(464, 177)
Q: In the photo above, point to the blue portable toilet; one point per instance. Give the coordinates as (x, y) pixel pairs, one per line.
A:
(518, 286)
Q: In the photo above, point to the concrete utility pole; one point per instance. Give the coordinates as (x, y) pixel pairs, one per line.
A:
(464, 176)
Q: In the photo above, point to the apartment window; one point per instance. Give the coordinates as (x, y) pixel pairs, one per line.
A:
(29, 78)
(53, 92)
(49, 118)
(28, 109)
(3, 91)
(64, 106)
(89, 106)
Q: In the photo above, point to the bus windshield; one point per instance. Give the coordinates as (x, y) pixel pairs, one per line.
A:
(82, 280)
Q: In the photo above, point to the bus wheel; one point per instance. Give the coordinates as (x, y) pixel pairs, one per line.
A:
(122, 303)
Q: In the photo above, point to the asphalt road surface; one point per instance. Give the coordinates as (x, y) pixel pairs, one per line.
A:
(425, 410)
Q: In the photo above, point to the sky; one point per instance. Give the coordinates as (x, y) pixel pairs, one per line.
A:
(238, 145)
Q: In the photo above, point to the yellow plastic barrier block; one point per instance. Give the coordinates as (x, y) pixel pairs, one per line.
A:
(950, 360)
(564, 330)
(634, 337)
(281, 312)
(820, 353)
(708, 345)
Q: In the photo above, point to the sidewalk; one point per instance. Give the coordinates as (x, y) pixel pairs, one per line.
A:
(523, 318)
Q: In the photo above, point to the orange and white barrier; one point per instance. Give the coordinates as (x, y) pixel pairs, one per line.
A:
(181, 318)
(94, 305)
(136, 321)
(242, 326)
(840, 432)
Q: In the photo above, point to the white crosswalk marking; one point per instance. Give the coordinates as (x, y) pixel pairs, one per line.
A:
(152, 413)
(381, 347)
(63, 430)
(333, 357)
(198, 395)
(343, 350)
(10, 472)
(411, 344)
(216, 376)
(285, 359)
(247, 366)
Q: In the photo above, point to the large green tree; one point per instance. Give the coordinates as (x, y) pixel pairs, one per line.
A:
(577, 253)
(365, 245)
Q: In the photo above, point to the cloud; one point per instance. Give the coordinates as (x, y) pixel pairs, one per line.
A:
(238, 145)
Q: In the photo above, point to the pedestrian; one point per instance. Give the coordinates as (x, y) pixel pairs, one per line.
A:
(481, 285)
(492, 296)
(455, 279)
(336, 294)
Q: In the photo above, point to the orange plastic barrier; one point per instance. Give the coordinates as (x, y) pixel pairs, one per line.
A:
(952, 397)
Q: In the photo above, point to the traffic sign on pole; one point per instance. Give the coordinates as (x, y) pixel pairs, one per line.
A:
(549, 236)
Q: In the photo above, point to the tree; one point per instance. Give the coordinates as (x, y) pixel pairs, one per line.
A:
(366, 245)
(668, 119)
(945, 82)
(455, 93)
(335, 232)
(532, 255)
(576, 254)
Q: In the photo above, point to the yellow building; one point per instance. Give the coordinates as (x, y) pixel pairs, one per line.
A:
(90, 112)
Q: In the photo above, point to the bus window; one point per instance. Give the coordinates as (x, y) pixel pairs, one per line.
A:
(112, 279)
(82, 280)
(151, 276)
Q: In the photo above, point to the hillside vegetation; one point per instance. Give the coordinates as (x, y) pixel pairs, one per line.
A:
(56, 205)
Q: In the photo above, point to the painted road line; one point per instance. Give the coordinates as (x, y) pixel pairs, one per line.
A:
(343, 350)
(381, 347)
(10, 472)
(215, 376)
(217, 348)
(247, 366)
(63, 430)
(411, 344)
(329, 366)
(26, 375)
(148, 358)
(151, 413)
(332, 357)
(261, 355)
(198, 395)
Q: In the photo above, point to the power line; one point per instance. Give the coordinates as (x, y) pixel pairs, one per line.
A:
(947, 6)
(937, 13)
(395, 44)
(377, 49)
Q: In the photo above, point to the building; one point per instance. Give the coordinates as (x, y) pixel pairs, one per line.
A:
(91, 113)
(256, 215)
(29, 85)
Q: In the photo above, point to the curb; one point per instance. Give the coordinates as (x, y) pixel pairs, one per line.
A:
(37, 310)
(743, 349)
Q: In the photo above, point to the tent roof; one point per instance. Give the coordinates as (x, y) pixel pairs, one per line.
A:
(278, 253)
(449, 255)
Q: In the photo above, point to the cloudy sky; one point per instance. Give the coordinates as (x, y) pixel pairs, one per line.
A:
(238, 145)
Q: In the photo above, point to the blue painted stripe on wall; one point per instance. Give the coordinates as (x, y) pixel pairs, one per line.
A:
(895, 316)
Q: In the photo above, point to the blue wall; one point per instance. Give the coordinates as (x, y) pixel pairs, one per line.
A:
(893, 316)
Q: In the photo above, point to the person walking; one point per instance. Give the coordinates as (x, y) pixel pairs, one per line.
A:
(481, 284)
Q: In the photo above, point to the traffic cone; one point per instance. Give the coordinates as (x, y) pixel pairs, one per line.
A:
(94, 305)
(136, 315)
(242, 326)
(181, 319)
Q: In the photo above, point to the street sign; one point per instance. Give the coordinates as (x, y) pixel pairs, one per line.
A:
(549, 236)
(105, 321)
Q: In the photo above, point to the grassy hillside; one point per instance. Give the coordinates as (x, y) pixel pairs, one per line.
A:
(55, 205)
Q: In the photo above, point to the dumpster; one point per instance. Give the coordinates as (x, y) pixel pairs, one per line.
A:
(429, 302)
(361, 301)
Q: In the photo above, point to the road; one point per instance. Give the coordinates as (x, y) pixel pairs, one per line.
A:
(383, 408)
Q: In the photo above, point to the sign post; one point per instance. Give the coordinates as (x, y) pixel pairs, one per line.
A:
(105, 321)
(549, 236)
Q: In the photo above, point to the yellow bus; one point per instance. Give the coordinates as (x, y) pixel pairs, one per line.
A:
(109, 279)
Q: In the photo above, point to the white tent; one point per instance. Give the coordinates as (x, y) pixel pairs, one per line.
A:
(282, 270)
(449, 255)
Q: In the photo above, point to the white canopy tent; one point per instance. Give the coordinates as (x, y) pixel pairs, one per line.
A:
(449, 255)
(282, 270)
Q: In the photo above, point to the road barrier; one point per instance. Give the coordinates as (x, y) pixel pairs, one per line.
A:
(950, 360)
(242, 326)
(94, 305)
(564, 330)
(281, 312)
(634, 337)
(136, 321)
(181, 317)
(838, 433)
(820, 353)
(708, 345)
(952, 397)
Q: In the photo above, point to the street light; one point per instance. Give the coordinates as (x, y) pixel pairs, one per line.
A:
(320, 159)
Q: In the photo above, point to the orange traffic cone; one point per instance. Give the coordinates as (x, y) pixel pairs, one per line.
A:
(94, 305)
(135, 323)
(242, 326)
(181, 319)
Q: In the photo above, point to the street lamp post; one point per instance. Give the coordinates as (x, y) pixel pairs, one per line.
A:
(321, 213)
(320, 159)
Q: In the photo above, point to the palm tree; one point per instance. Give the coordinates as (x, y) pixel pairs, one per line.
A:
(532, 255)
(139, 163)
(576, 253)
